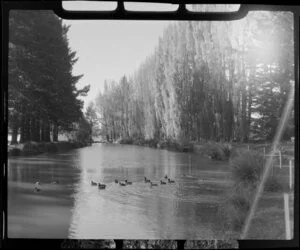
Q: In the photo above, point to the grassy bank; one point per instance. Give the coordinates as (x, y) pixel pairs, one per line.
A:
(34, 148)
(246, 166)
(171, 145)
(210, 149)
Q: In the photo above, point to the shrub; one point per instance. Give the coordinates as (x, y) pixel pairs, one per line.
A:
(151, 143)
(30, 148)
(218, 151)
(227, 148)
(51, 147)
(247, 167)
(125, 141)
(139, 141)
(14, 152)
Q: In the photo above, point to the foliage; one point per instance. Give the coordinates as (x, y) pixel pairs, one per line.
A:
(221, 81)
(84, 132)
(247, 167)
(219, 151)
(42, 90)
(91, 116)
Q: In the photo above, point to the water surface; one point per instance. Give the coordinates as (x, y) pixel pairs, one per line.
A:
(72, 208)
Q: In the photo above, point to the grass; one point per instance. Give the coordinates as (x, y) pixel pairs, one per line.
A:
(246, 171)
(273, 184)
(233, 211)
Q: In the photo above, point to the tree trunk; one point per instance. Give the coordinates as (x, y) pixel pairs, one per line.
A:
(22, 139)
(27, 128)
(32, 129)
(14, 137)
(243, 135)
(249, 111)
(55, 131)
(37, 130)
(46, 130)
(24, 129)
(42, 128)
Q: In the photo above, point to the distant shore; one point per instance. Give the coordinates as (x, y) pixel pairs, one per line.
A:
(211, 149)
(35, 148)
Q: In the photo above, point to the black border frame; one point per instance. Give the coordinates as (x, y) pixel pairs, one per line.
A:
(121, 14)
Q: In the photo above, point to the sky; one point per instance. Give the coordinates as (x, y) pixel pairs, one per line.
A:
(109, 49)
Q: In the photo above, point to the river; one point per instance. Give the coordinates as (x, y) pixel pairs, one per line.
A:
(73, 208)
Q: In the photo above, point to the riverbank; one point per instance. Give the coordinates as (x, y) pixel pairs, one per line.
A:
(213, 150)
(153, 143)
(34, 148)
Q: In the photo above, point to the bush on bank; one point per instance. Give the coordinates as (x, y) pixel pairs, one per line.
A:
(218, 151)
(247, 167)
(34, 148)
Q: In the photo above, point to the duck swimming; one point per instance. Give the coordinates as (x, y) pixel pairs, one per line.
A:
(94, 183)
(170, 181)
(166, 177)
(122, 184)
(147, 180)
(36, 186)
(116, 181)
(128, 182)
(153, 184)
(101, 186)
(162, 182)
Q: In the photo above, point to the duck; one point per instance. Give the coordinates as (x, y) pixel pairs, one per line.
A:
(162, 182)
(101, 186)
(147, 180)
(122, 184)
(166, 177)
(36, 186)
(153, 184)
(55, 182)
(94, 183)
(116, 181)
(170, 181)
(128, 182)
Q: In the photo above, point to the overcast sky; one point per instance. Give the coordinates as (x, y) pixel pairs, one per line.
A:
(108, 49)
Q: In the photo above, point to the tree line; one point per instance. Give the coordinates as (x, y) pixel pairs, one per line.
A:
(42, 92)
(222, 81)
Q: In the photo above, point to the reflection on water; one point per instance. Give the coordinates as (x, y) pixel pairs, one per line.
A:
(73, 208)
